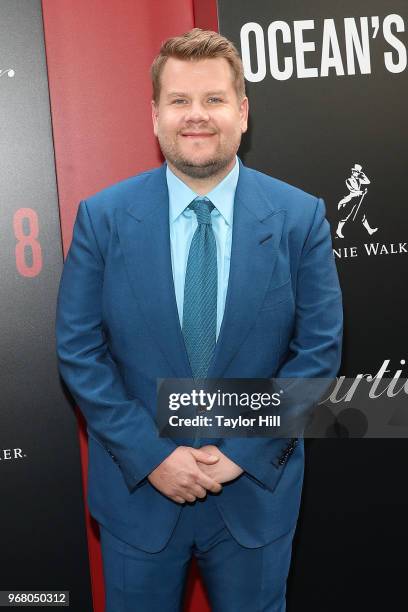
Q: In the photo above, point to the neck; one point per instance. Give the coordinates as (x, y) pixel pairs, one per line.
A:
(202, 186)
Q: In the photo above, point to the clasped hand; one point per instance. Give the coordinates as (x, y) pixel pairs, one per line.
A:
(188, 473)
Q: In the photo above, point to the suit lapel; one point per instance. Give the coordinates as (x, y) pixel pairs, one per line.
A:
(257, 229)
(144, 236)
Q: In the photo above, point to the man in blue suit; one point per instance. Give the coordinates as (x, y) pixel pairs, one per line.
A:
(202, 267)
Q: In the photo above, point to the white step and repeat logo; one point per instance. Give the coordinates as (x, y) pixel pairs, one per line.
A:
(263, 52)
(354, 208)
(7, 72)
(12, 454)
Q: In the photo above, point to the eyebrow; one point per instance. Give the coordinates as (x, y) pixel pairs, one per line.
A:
(177, 94)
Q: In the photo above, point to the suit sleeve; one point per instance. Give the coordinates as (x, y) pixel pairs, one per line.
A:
(314, 350)
(121, 423)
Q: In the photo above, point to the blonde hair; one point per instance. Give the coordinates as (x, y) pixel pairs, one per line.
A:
(195, 45)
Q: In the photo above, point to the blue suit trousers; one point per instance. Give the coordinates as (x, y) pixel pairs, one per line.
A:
(237, 579)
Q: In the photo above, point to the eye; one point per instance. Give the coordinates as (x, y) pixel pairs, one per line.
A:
(179, 101)
(214, 99)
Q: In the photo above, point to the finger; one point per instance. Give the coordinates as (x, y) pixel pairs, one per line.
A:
(208, 483)
(178, 499)
(203, 456)
(189, 497)
(199, 491)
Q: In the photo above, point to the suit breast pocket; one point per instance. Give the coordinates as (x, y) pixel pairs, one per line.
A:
(275, 296)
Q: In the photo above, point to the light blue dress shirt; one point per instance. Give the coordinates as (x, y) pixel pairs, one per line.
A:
(183, 223)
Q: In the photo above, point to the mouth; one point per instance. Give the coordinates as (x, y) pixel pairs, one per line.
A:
(197, 134)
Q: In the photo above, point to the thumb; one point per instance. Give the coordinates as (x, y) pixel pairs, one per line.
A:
(203, 456)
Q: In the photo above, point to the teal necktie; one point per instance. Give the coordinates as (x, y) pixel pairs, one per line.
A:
(200, 292)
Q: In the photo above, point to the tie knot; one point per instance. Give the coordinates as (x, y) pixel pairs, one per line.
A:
(202, 208)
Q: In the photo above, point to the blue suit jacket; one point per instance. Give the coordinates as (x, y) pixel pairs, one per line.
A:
(118, 331)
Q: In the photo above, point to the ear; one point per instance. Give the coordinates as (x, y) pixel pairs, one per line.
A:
(243, 111)
(155, 115)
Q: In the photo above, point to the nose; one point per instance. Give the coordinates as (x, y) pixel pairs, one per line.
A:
(197, 112)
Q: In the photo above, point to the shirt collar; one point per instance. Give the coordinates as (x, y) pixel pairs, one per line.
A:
(222, 196)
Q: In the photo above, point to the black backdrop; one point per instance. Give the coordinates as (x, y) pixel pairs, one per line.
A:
(42, 529)
(310, 130)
